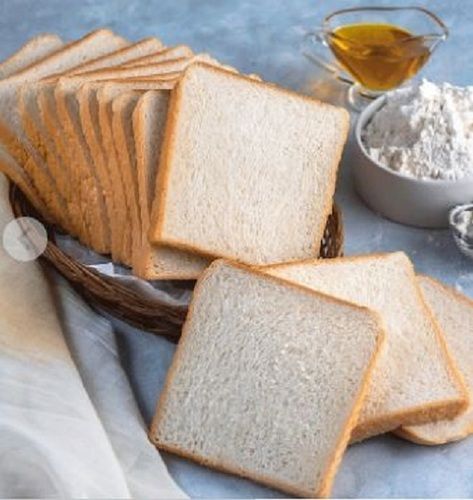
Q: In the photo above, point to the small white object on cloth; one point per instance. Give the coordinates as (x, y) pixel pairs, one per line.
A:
(53, 442)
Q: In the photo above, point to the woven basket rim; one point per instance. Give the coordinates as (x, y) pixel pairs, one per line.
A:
(125, 303)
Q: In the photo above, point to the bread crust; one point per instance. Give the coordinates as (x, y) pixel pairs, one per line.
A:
(160, 56)
(29, 51)
(151, 43)
(434, 411)
(409, 433)
(332, 464)
(157, 231)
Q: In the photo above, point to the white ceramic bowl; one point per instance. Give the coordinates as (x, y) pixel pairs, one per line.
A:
(415, 202)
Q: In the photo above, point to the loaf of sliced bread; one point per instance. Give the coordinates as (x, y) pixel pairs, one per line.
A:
(454, 312)
(416, 380)
(152, 261)
(267, 380)
(247, 163)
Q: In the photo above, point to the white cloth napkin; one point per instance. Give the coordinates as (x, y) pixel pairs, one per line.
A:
(57, 437)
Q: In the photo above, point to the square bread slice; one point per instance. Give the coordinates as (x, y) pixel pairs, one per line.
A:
(454, 312)
(416, 380)
(167, 54)
(77, 146)
(37, 134)
(91, 198)
(124, 55)
(14, 141)
(151, 261)
(267, 380)
(122, 108)
(32, 51)
(105, 96)
(89, 116)
(251, 165)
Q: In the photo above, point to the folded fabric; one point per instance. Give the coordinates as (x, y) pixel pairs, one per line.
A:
(93, 346)
(52, 441)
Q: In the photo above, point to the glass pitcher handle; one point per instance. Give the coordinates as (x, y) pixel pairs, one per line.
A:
(308, 48)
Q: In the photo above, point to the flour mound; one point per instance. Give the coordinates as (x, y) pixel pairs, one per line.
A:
(424, 131)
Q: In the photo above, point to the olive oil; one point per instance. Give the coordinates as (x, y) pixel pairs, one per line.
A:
(379, 56)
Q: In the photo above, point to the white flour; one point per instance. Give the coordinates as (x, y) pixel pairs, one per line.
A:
(424, 131)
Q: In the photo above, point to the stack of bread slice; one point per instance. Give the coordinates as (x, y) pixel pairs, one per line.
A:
(280, 367)
(166, 159)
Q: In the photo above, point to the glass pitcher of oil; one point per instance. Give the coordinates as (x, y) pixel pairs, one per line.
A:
(376, 48)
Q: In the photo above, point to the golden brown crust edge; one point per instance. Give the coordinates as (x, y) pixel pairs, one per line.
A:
(407, 434)
(410, 434)
(157, 233)
(327, 480)
(418, 415)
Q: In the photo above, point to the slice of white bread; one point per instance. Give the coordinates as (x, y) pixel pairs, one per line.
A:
(151, 261)
(267, 380)
(122, 108)
(37, 134)
(91, 198)
(122, 56)
(68, 119)
(167, 54)
(85, 195)
(14, 142)
(454, 312)
(251, 165)
(105, 96)
(89, 117)
(168, 68)
(416, 380)
(32, 51)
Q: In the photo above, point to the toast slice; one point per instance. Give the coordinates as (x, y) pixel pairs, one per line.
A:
(454, 312)
(15, 146)
(154, 262)
(416, 380)
(244, 394)
(216, 153)
(35, 49)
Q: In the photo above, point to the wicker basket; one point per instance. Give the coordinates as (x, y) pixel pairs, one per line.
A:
(126, 304)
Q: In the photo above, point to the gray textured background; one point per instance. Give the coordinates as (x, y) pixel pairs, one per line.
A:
(263, 37)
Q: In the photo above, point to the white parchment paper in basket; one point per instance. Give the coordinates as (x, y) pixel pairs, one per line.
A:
(172, 292)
